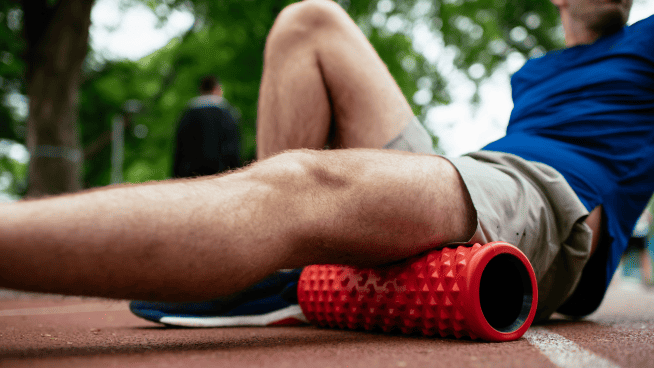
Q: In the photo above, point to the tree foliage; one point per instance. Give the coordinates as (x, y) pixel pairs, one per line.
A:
(228, 38)
(12, 67)
(12, 86)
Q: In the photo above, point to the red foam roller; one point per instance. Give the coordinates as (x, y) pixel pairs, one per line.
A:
(487, 292)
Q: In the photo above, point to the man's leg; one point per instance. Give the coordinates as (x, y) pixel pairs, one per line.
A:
(203, 238)
(321, 70)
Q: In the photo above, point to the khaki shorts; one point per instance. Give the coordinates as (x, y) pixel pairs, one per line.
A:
(527, 204)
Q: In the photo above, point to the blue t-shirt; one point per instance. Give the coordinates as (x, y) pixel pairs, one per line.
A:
(588, 111)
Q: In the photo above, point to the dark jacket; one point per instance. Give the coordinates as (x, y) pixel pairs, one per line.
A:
(208, 139)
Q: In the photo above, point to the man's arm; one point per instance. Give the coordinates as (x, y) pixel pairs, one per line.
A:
(202, 238)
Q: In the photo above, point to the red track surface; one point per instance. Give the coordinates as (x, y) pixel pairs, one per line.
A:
(54, 331)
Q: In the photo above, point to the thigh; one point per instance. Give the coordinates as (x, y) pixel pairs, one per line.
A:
(367, 104)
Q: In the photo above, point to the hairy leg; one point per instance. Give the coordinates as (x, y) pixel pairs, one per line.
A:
(202, 238)
(320, 70)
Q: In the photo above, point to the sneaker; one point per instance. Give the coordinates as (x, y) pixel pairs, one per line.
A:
(271, 302)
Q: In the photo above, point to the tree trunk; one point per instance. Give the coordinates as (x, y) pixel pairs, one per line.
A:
(57, 44)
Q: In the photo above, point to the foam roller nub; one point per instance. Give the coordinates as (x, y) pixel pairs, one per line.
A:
(487, 292)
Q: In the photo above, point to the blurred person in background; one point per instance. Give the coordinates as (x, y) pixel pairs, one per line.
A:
(208, 138)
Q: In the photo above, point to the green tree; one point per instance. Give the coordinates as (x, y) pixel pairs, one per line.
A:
(44, 44)
(12, 127)
(11, 68)
(56, 42)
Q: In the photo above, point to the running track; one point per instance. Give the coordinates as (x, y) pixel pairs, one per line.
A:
(53, 331)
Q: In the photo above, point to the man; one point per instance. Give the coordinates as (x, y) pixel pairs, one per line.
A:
(586, 140)
(208, 140)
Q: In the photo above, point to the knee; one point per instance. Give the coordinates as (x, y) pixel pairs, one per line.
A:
(303, 20)
(303, 171)
(287, 167)
(310, 15)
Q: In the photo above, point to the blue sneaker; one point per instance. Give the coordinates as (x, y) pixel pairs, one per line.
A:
(273, 301)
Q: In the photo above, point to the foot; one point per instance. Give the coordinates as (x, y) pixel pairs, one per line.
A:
(271, 302)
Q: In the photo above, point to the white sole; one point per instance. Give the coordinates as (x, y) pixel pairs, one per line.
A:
(293, 311)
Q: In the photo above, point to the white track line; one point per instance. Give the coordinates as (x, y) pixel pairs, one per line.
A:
(95, 307)
(563, 352)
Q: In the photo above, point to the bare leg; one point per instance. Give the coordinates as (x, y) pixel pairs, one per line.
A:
(202, 238)
(320, 70)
